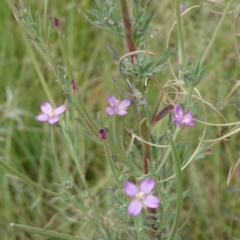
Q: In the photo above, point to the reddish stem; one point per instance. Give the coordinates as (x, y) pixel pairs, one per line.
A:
(128, 30)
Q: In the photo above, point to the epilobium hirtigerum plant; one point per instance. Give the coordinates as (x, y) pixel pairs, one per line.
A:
(143, 129)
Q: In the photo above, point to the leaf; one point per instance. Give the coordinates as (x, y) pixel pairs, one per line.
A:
(113, 52)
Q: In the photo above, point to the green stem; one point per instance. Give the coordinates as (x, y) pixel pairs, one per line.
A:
(30, 50)
(45, 19)
(94, 128)
(182, 58)
(167, 153)
(44, 232)
(38, 70)
(55, 154)
(124, 158)
(114, 130)
(214, 36)
(80, 107)
(138, 224)
(110, 162)
(189, 96)
(179, 186)
(146, 149)
(25, 179)
(65, 55)
(83, 112)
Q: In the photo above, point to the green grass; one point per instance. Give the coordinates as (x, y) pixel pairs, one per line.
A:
(25, 143)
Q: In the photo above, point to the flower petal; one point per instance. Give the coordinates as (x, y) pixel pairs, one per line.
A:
(151, 201)
(135, 207)
(130, 189)
(121, 112)
(60, 110)
(177, 121)
(112, 100)
(110, 110)
(46, 107)
(178, 111)
(188, 120)
(42, 117)
(53, 120)
(124, 103)
(147, 185)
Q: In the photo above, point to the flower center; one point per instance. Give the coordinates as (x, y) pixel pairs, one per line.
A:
(50, 114)
(141, 196)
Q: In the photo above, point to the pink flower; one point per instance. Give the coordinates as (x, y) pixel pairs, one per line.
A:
(182, 119)
(117, 107)
(49, 114)
(141, 196)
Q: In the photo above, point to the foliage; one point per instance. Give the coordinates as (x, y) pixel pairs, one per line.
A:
(66, 180)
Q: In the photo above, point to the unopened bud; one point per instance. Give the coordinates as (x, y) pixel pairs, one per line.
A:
(105, 19)
(57, 23)
(181, 8)
(102, 134)
(74, 87)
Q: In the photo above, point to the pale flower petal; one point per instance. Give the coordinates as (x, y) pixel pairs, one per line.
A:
(130, 189)
(42, 117)
(124, 103)
(122, 112)
(60, 110)
(110, 110)
(112, 100)
(188, 119)
(53, 120)
(147, 185)
(178, 112)
(46, 107)
(135, 207)
(177, 121)
(151, 201)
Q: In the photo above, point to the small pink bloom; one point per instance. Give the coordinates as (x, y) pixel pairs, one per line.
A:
(141, 196)
(183, 119)
(49, 114)
(117, 107)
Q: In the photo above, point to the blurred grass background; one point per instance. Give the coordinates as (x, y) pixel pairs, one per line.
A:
(25, 143)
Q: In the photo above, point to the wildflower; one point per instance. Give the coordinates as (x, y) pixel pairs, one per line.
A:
(102, 134)
(181, 8)
(117, 107)
(182, 119)
(141, 196)
(49, 114)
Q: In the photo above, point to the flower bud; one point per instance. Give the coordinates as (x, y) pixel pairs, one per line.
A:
(57, 23)
(74, 87)
(102, 134)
